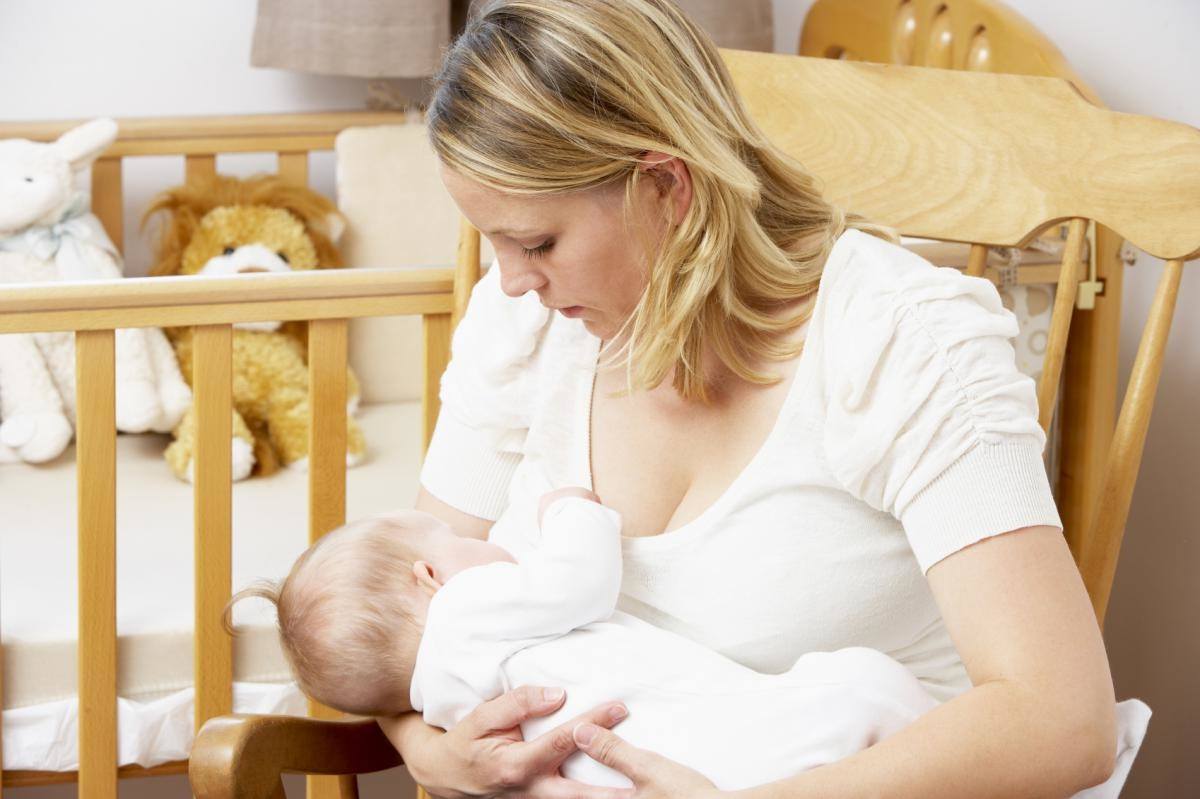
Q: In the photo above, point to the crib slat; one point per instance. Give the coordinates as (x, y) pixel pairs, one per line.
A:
(293, 167)
(199, 166)
(327, 341)
(213, 519)
(96, 464)
(108, 198)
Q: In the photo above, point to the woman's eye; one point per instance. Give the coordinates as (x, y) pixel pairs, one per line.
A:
(537, 251)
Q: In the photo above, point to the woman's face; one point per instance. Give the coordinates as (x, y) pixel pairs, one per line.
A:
(572, 249)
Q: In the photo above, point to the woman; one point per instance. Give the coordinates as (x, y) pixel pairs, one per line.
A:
(789, 405)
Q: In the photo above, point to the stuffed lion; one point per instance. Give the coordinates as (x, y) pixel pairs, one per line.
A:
(224, 226)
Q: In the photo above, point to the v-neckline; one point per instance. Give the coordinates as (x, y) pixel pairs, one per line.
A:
(727, 494)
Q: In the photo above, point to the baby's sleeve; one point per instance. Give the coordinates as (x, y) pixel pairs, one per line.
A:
(486, 393)
(927, 416)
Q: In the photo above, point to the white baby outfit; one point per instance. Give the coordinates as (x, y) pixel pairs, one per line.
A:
(907, 434)
(551, 619)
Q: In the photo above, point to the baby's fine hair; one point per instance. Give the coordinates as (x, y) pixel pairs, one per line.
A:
(342, 610)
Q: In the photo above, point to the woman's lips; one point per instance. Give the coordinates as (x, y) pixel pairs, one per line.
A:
(572, 312)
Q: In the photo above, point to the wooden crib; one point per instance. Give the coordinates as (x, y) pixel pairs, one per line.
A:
(327, 298)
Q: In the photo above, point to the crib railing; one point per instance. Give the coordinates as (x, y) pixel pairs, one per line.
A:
(95, 309)
(211, 306)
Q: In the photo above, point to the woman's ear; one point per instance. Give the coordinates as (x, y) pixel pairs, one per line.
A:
(426, 579)
(672, 178)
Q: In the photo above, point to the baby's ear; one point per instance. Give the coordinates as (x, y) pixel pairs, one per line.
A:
(425, 577)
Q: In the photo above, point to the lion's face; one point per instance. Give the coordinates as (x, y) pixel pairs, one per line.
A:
(248, 238)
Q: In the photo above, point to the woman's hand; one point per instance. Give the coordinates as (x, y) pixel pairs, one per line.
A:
(485, 754)
(653, 776)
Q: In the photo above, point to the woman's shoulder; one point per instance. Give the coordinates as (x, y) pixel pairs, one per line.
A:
(872, 284)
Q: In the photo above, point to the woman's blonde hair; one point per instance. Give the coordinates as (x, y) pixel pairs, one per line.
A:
(542, 97)
(340, 612)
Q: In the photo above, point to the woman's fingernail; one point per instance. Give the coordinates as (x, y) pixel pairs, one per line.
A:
(584, 733)
(552, 694)
(617, 713)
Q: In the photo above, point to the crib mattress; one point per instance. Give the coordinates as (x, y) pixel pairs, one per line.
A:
(38, 584)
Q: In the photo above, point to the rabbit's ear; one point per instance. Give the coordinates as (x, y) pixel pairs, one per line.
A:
(82, 145)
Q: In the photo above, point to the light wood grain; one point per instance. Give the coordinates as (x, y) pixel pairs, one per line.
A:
(975, 157)
(466, 271)
(1089, 403)
(327, 341)
(1060, 321)
(108, 198)
(1101, 549)
(199, 167)
(213, 519)
(293, 167)
(96, 475)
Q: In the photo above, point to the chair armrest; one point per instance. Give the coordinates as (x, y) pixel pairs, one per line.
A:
(243, 756)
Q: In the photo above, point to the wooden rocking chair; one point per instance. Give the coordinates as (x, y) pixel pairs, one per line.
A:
(988, 159)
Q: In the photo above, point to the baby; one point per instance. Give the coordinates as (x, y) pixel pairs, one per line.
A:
(396, 612)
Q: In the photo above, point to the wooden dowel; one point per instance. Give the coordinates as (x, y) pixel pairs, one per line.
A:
(1060, 320)
(1098, 563)
(96, 465)
(976, 260)
(466, 272)
(213, 519)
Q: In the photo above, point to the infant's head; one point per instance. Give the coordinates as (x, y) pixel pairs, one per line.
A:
(352, 610)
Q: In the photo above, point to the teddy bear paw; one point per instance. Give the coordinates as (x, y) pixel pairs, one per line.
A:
(242, 461)
(36, 437)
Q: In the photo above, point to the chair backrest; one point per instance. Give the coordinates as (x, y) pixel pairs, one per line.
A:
(986, 36)
(993, 160)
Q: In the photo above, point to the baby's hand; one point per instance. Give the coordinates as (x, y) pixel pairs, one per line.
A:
(569, 491)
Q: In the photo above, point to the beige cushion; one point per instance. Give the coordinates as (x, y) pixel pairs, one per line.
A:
(399, 214)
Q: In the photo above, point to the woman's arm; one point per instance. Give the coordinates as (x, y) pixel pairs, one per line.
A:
(1040, 720)
(461, 523)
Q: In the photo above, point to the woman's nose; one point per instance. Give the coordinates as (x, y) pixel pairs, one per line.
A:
(517, 280)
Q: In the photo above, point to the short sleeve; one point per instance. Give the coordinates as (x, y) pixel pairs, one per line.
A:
(927, 415)
(486, 395)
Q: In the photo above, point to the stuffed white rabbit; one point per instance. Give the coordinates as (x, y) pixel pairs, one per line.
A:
(48, 234)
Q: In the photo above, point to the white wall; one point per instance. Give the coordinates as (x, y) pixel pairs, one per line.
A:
(144, 58)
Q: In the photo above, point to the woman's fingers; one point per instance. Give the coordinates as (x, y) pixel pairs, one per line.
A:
(606, 747)
(511, 708)
(547, 752)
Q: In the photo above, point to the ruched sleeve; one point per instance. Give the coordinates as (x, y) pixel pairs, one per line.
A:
(486, 394)
(927, 416)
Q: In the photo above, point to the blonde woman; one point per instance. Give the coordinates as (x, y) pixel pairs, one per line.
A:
(815, 439)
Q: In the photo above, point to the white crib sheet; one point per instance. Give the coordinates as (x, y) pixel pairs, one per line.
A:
(38, 584)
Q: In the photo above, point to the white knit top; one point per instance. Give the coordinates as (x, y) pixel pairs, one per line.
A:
(907, 433)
